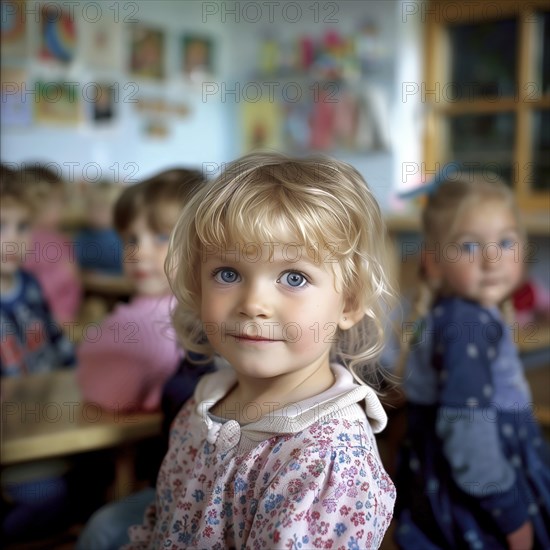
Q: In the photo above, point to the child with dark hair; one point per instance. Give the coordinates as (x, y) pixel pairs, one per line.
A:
(146, 368)
(34, 497)
(137, 351)
(31, 340)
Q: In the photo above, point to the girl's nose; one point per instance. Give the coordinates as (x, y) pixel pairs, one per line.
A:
(491, 257)
(255, 301)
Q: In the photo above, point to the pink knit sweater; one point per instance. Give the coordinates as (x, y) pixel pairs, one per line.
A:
(134, 353)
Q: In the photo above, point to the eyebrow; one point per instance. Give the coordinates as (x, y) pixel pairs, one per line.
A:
(303, 263)
(473, 236)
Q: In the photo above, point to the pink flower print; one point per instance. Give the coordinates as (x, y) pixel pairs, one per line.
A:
(345, 510)
(323, 528)
(330, 505)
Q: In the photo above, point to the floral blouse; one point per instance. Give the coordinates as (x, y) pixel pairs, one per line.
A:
(224, 486)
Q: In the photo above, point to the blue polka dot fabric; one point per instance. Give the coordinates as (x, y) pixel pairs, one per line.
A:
(474, 466)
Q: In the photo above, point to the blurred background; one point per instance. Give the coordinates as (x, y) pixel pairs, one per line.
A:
(120, 90)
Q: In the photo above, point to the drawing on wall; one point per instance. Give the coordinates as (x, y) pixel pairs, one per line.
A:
(147, 53)
(102, 45)
(158, 106)
(261, 124)
(13, 35)
(15, 109)
(58, 104)
(197, 56)
(57, 34)
(156, 128)
(102, 104)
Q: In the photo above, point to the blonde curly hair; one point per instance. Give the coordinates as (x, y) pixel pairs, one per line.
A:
(324, 204)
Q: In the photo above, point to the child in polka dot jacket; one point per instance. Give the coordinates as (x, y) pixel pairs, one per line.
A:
(474, 471)
(278, 266)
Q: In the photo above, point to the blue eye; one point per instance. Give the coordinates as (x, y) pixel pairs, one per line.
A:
(507, 243)
(226, 275)
(470, 246)
(162, 237)
(294, 279)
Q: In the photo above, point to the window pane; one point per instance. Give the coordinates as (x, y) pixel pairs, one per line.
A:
(540, 178)
(484, 59)
(484, 142)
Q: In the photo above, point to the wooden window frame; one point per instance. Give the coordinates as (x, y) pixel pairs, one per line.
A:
(440, 15)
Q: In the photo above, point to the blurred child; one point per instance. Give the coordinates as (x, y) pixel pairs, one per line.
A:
(31, 341)
(98, 246)
(278, 267)
(475, 472)
(126, 367)
(35, 496)
(107, 528)
(50, 254)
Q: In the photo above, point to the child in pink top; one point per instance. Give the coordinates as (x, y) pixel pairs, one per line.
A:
(135, 351)
(50, 255)
(279, 267)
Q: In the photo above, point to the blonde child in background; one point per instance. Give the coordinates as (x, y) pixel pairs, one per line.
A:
(50, 254)
(98, 245)
(126, 366)
(474, 472)
(278, 267)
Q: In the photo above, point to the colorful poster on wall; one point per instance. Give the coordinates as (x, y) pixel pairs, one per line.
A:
(147, 52)
(57, 34)
(261, 124)
(197, 57)
(17, 106)
(58, 104)
(102, 44)
(13, 34)
(102, 104)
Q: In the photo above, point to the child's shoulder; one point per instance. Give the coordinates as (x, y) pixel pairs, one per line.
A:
(339, 434)
(454, 308)
(27, 289)
(144, 308)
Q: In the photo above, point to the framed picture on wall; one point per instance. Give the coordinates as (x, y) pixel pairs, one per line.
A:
(57, 34)
(102, 45)
(147, 52)
(13, 36)
(58, 104)
(102, 107)
(16, 111)
(197, 56)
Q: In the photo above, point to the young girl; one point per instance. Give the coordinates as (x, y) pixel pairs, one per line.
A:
(475, 471)
(135, 351)
(278, 267)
